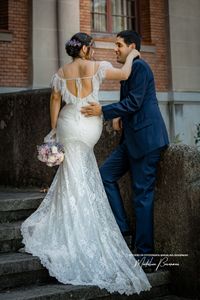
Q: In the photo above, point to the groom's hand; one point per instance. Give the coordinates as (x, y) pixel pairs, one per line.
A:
(117, 124)
(94, 109)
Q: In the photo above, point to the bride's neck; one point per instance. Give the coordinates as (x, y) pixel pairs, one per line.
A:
(80, 59)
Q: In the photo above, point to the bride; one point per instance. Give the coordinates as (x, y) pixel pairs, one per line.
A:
(74, 232)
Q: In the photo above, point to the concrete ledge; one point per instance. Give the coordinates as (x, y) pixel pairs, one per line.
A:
(10, 231)
(66, 292)
(20, 200)
(19, 266)
(16, 206)
(6, 36)
(17, 262)
(10, 237)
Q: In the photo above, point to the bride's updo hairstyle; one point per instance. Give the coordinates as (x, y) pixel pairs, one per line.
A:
(75, 44)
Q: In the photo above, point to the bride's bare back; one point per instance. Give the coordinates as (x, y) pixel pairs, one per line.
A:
(79, 72)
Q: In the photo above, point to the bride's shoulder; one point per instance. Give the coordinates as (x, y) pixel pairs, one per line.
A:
(101, 68)
(57, 80)
(104, 64)
(62, 70)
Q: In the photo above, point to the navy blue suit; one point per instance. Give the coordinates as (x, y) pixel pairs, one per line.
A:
(144, 136)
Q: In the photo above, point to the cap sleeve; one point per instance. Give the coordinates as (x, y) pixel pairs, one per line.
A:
(56, 83)
(103, 66)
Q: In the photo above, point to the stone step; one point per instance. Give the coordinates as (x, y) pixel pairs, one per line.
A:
(18, 205)
(18, 269)
(10, 236)
(159, 281)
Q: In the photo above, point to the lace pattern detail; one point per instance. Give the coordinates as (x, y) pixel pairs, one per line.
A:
(74, 232)
(56, 83)
(104, 65)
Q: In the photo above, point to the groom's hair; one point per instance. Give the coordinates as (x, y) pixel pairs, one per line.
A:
(130, 37)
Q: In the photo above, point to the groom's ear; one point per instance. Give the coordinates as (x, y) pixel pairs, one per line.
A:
(133, 46)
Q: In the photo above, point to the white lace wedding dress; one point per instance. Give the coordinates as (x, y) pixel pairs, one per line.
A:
(74, 232)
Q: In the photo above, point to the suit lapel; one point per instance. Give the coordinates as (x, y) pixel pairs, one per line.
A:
(122, 91)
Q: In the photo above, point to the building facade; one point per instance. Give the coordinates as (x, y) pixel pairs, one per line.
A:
(33, 34)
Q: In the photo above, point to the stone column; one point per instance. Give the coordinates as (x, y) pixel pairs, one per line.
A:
(184, 23)
(184, 29)
(68, 24)
(45, 49)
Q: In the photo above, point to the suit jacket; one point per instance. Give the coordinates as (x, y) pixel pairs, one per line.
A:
(143, 126)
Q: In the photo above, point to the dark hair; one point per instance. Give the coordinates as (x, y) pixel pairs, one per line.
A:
(130, 37)
(77, 41)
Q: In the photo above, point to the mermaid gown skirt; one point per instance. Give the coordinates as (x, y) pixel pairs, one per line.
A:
(73, 231)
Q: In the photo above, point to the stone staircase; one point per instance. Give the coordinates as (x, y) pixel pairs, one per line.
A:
(23, 277)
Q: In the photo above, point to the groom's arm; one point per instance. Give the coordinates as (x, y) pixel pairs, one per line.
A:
(133, 101)
(129, 104)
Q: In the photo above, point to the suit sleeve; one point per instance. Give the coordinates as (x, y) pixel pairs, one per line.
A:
(133, 101)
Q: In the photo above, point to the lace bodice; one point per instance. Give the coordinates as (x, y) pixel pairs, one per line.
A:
(59, 84)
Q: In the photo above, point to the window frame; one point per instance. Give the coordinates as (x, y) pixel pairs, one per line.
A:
(109, 17)
(4, 27)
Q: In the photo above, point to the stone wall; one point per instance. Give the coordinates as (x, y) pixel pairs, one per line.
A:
(177, 209)
(24, 121)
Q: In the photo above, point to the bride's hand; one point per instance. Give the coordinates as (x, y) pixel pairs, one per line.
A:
(50, 136)
(134, 53)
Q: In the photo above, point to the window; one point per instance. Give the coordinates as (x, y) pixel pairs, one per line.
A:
(113, 15)
(3, 14)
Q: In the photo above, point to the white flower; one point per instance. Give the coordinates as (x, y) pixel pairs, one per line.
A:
(51, 159)
(54, 149)
(49, 164)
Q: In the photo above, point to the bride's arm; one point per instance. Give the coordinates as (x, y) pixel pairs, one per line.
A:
(55, 102)
(124, 72)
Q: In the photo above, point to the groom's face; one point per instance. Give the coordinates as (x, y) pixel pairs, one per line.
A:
(122, 49)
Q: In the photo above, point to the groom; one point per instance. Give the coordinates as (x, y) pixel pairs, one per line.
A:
(144, 136)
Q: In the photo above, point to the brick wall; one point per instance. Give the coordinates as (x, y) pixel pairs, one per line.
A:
(160, 38)
(144, 24)
(14, 71)
(85, 20)
(154, 30)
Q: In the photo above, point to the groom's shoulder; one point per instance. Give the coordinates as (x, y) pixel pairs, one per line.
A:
(140, 63)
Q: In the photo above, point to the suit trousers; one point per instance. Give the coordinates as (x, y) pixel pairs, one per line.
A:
(143, 176)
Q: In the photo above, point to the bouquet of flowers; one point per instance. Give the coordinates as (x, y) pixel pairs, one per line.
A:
(50, 152)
